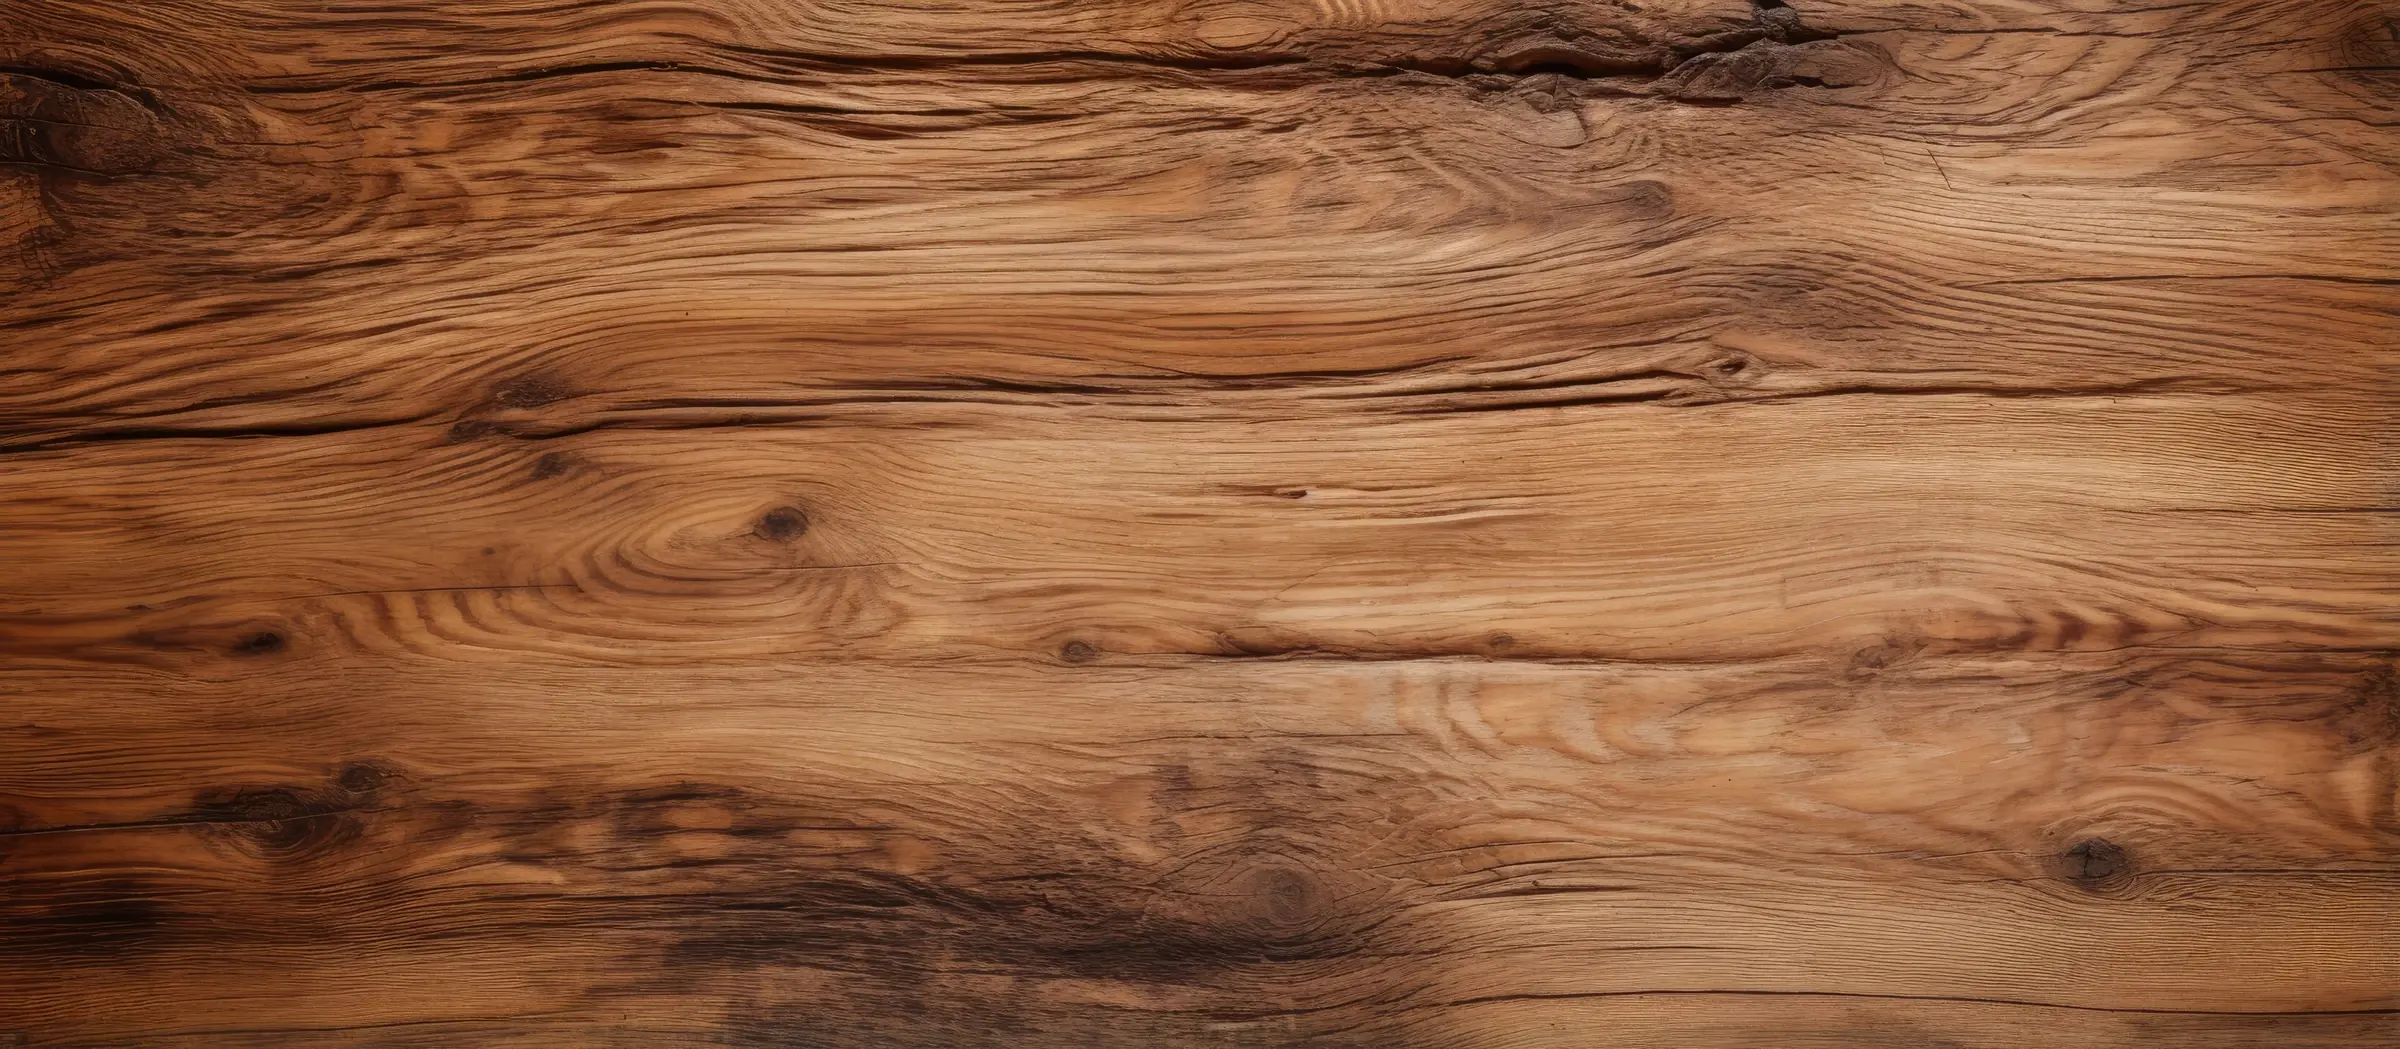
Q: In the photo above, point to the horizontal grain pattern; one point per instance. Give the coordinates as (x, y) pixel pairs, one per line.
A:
(1699, 1020)
(1198, 523)
(2292, 733)
(640, 856)
(283, 45)
(896, 542)
(1752, 936)
(1829, 1022)
(422, 167)
(287, 43)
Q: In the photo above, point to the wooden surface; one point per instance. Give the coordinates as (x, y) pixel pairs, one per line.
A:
(1427, 524)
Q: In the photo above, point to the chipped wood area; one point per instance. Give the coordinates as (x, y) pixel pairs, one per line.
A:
(1416, 524)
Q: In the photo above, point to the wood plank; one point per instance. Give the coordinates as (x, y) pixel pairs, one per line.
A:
(757, 840)
(360, 256)
(1617, 531)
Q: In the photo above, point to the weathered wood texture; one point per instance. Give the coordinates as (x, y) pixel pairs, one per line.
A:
(1354, 523)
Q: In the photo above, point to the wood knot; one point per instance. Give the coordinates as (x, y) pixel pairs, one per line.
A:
(530, 391)
(2095, 863)
(781, 525)
(1281, 908)
(359, 777)
(1723, 77)
(279, 821)
(1733, 368)
(1784, 24)
(260, 643)
(1284, 898)
(1889, 652)
(552, 464)
(1568, 58)
(63, 123)
(1078, 652)
(1649, 200)
(2369, 716)
(471, 429)
(2370, 48)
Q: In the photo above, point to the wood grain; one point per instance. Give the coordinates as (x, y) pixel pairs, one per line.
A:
(1356, 523)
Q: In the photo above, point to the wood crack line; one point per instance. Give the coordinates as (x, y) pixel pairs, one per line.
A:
(1864, 995)
(186, 821)
(712, 415)
(1774, 25)
(508, 587)
(106, 435)
(560, 1018)
(73, 81)
(2330, 278)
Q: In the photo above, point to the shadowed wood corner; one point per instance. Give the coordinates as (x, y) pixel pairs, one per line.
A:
(1356, 524)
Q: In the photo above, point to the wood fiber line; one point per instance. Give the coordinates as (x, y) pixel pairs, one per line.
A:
(1413, 524)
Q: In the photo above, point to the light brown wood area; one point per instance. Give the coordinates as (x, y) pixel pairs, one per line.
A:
(1360, 524)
